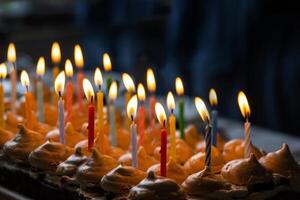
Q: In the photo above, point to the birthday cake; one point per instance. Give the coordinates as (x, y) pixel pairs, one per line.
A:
(62, 148)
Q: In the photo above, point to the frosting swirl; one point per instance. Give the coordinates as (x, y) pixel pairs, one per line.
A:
(281, 162)
(157, 188)
(243, 171)
(174, 171)
(90, 173)
(69, 166)
(5, 135)
(22, 145)
(121, 179)
(49, 155)
(204, 183)
(144, 160)
(12, 120)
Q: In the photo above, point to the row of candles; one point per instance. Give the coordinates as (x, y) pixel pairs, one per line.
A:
(131, 103)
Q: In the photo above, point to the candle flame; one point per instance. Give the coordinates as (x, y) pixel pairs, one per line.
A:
(179, 86)
(68, 68)
(11, 53)
(244, 105)
(128, 82)
(141, 92)
(40, 68)
(113, 91)
(170, 102)
(98, 77)
(3, 70)
(88, 90)
(213, 99)
(106, 62)
(132, 107)
(160, 113)
(151, 84)
(79, 61)
(55, 53)
(59, 83)
(201, 108)
(25, 78)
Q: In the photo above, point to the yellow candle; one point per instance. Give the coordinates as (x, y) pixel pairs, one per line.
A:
(3, 73)
(98, 81)
(56, 58)
(172, 124)
(28, 100)
(130, 87)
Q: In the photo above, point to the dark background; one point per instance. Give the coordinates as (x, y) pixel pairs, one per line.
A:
(229, 45)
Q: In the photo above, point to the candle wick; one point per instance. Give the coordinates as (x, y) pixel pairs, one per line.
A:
(99, 86)
(172, 111)
(131, 118)
(92, 99)
(59, 94)
(164, 123)
(27, 88)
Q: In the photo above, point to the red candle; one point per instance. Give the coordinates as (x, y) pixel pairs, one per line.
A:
(161, 116)
(163, 152)
(69, 89)
(91, 120)
(89, 93)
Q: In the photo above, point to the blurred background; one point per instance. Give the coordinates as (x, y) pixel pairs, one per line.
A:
(228, 45)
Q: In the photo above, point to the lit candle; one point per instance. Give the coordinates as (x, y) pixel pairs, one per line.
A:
(141, 113)
(107, 68)
(11, 57)
(56, 58)
(202, 110)
(40, 71)
(180, 92)
(131, 112)
(89, 93)
(69, 89)
(245, 110)
(151, 85)
(59, 85)
(161, 116)
(28, 100)
(98, 82)
(130, 88)
(79, 62)
(172, 124)
(3, 73)
(112, 95)
(213, 99)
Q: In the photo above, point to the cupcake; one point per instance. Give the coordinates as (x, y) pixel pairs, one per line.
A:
(50, 154)
(156, 188)
(91, 172)
(234, 149)
(70, 165)
(183, 151)
(196, 162)
(121, 179)
(24, 142)
(207, 185)
(12, 121)
(5, 135)
(174, 171)
(144, 160)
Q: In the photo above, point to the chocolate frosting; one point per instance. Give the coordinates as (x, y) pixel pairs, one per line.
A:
(12, 121)
(157, 188)
(244, 171)
(203, 183)
(69, 166)
(281, 162)
(5, 135)
(174, 171)
(49, 155)
(22, 145)
(71, 135)
(144, 160)
(121, 179)
(90, 173)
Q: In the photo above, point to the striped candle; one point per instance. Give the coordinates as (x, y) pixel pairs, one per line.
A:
(208, 145)
(247, 141)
